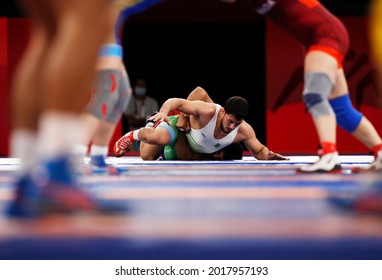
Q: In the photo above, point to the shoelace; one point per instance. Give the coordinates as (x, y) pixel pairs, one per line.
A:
(124, 143)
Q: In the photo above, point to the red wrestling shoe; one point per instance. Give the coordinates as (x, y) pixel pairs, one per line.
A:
(123, 144)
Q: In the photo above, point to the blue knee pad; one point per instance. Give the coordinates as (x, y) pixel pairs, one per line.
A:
(173, 130)
(348, 118)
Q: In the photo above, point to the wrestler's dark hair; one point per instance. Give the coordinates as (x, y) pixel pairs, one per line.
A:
(237, 106)
(232, 151)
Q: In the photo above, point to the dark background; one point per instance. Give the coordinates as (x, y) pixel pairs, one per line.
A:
(181, 44)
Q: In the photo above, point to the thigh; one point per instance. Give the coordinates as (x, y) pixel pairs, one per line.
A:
(104, 133)
(340, 86)
(318, 61)
(183, 150)
(85, 9)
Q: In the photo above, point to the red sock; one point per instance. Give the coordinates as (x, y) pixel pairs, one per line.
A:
(375, 149)
(327, 148)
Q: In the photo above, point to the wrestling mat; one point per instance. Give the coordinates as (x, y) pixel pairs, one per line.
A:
(190, 210)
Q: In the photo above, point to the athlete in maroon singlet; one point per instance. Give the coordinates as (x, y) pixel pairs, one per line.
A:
(309, 22)
(326, 93)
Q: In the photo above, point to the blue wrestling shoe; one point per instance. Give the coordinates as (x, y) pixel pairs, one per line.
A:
(32, 200)
(51, 189)
(98, 164)
(98, 160)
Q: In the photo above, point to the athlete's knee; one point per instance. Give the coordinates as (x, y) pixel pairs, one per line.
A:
(155, 136)
(317, 87)
(348, 118)
(149, 152)
(147, 156)
(165, 134)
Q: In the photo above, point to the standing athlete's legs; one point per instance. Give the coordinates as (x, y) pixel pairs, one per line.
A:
(48, 94)
(25, 93)
(352, 121)
(69, 70)
(341, 112)
(320, 76)
(110, 94)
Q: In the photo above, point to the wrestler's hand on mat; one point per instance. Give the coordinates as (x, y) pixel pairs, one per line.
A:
(183, 123)
(160, 117)
(276, 156)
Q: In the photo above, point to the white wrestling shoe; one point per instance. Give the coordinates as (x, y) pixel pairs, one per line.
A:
(328, 163)
(123, 145)
(374, 167)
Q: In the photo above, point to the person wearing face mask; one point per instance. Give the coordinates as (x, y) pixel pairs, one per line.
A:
(139, 107)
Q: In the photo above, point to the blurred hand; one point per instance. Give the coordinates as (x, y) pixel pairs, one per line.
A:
(161, 117)
(183, 123)
(276, 156)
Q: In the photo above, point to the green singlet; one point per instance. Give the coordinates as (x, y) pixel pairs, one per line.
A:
(169, 152)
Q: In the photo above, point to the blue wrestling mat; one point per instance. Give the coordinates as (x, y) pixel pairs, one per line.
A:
(191, 210)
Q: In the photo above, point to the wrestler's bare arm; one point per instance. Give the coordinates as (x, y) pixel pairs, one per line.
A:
(258, 150)
(197, 94)
(200, 110)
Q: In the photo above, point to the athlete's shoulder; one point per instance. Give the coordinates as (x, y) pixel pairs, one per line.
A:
(246, 131)
(211, 107)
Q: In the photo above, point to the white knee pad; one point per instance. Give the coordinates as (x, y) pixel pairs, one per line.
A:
(317, 87)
